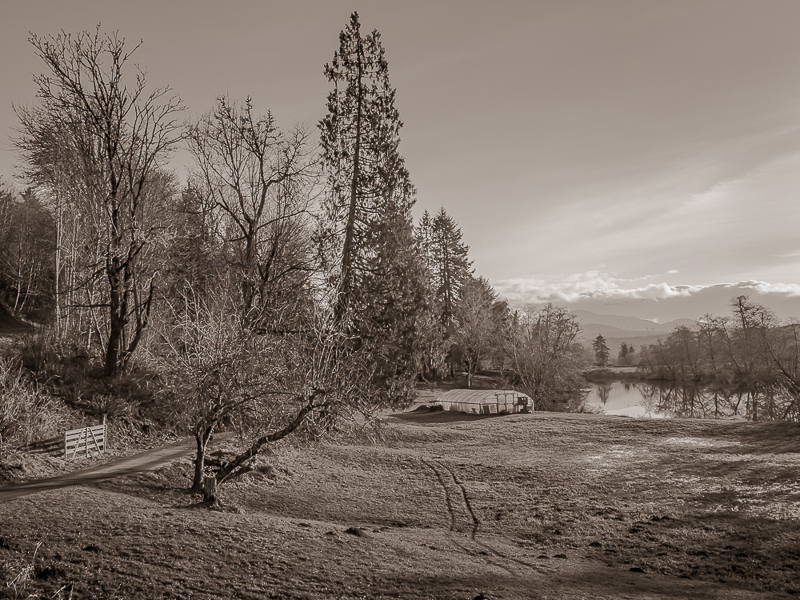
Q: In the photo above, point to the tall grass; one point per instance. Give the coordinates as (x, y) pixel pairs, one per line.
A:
(38, 352)
(27, 412)
(27, 572)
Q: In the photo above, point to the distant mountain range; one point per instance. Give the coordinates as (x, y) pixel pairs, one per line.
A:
(677, 302)
(629, 324)
(617, 329)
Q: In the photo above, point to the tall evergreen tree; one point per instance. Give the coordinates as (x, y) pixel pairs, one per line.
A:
(369, 183)
(448, 270)
(451, 267)
(367, 231)
(601, 351)
(424, 239)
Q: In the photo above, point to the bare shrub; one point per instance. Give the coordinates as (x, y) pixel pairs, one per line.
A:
(219, 374)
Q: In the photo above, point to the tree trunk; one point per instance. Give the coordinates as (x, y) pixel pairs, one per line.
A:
(238, 465)
(210, 490)
(57, 273)
(116, 325)
(347, 249)
(200, 460)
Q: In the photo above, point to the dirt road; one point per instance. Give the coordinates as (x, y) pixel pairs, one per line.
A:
(149, 460)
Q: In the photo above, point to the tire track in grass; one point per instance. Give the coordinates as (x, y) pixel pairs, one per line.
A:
(476, 523)
(458, 518)
(448, 501)
(449, 482)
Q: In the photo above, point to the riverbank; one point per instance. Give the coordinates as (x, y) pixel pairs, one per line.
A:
(613, 373)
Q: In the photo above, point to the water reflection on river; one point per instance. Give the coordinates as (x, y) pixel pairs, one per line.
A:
(660, 400)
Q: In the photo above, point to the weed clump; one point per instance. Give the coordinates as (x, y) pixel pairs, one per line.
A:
(27, 411)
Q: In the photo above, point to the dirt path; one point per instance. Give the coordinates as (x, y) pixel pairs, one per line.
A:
(150, 460)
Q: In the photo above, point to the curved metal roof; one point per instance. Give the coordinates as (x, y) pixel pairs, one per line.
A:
(477, 396)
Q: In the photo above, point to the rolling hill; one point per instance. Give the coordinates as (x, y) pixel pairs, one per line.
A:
(617, 329)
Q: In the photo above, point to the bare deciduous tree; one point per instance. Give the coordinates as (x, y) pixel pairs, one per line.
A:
(258, 181)
(478, 326)
(546, 356)
(752, 351)
(264, 387)
(117, 135)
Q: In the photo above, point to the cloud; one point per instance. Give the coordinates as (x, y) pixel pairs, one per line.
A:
(762, 287)
(594, 285)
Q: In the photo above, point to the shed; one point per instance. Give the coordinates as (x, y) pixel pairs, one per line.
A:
(485, 401)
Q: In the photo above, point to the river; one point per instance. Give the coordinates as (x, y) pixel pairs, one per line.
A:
(666, 400)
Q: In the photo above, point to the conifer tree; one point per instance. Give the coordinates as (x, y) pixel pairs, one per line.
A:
(435, 345)
(601, 351)
(448, 269)
(451, 267)
(369, 183)
(424, 240)
(366, 236)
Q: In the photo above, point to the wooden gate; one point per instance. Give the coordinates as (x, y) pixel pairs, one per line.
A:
(86, 441)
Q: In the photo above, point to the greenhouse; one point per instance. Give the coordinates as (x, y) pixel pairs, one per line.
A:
(485, 402)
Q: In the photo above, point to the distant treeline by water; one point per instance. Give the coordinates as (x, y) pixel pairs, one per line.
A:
(743, 365)
(693, 400)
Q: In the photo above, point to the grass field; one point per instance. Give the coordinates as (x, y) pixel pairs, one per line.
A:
(545, 505)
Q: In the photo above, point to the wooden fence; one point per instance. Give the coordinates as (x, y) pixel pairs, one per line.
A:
(86, 441)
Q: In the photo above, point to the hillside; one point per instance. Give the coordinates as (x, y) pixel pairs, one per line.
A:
(631, 324)
(618, 329)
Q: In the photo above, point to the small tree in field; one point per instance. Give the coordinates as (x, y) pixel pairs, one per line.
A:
(264, 387)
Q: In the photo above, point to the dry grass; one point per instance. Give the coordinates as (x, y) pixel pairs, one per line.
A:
(522, 506)
(27, 411)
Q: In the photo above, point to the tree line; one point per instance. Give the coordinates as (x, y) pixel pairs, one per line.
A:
(602, 354)
(750, 350)
(283, 287)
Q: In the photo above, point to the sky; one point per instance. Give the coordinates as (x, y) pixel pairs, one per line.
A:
(635, 157)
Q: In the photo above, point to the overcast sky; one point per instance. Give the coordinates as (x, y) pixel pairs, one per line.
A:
(603, 152)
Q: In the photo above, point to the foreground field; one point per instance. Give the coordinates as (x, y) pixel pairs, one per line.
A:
(522, 506)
